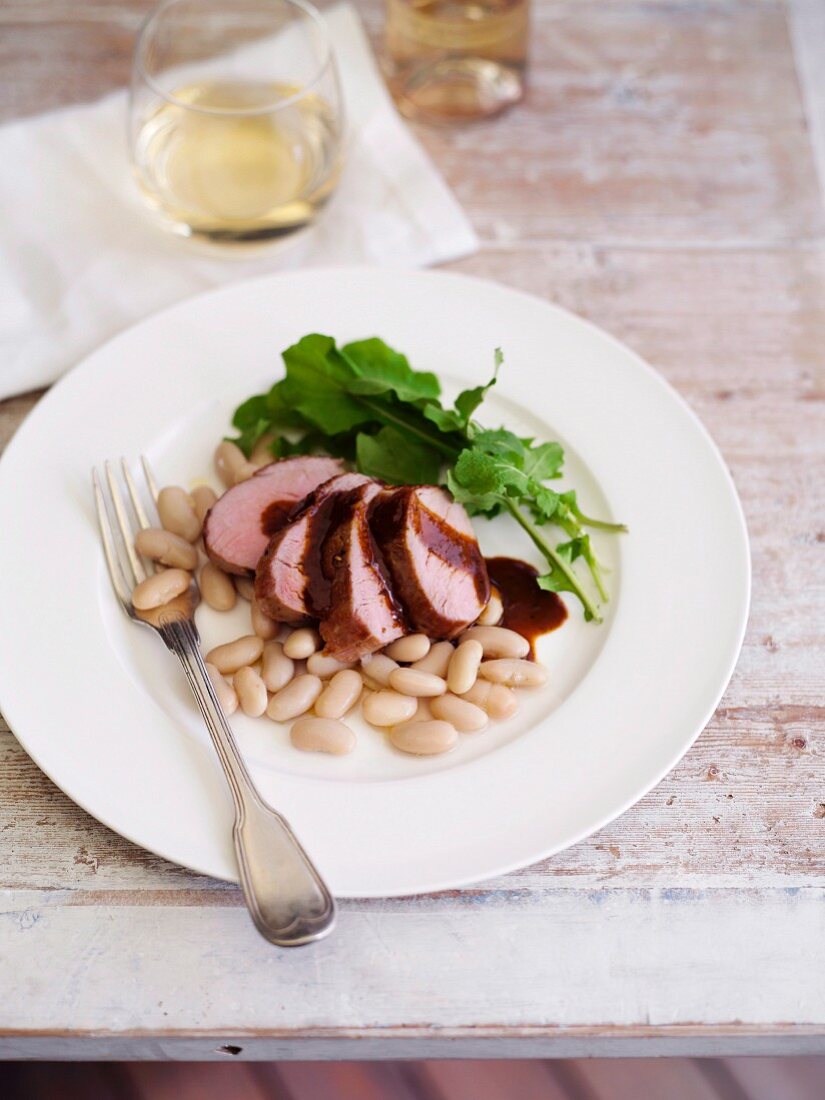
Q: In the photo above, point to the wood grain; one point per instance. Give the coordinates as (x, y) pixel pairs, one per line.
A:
(659, 180)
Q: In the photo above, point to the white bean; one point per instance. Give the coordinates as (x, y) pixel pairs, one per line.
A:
(466, 717)
(463, 670)
(499, 701)
(245, 587)
(322, 735)
(514, 673)
(160, 588)
(340, 695)
(262, 625)
(230, 657)
(277, 669)
(388, 708)
(168, 549)
(251, 691)
(203, 497)
(424, 738)
(410, 681)
(224, 691)
(413, 647)
(294, 699)
(492, 613)
(302, 643)
(498, 641)
(245, 472)
(228, 460)
(377, 666)
(437, 660)
(177, 513)
(216, 588)
(479, 693)
(325, 667)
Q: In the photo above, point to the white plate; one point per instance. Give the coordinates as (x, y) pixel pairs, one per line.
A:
(104, 711)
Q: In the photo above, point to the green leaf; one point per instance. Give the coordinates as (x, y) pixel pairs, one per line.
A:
(556, 581)
(544, 461)
(544, 503)
(397, 459)
(280, 412)
(448, 420)
(457, 419)
(317, 376)
(479, 474)
(476, 503)
(500, 441)
(469, 400)
(385, 370)
(251, 412)
(575, 548)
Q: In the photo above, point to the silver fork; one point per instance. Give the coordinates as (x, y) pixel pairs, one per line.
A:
(286, 896)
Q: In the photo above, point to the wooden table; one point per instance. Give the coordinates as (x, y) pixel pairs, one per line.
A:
(664, 178)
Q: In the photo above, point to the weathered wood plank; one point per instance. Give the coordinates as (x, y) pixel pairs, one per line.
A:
(542, 961)
(807, 26)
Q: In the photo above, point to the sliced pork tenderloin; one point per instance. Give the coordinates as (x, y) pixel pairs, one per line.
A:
(433, 558)
(364, 614)
(290, 585)
(239, 525)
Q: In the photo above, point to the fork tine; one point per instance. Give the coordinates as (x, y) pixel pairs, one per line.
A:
(137, 503)
(150, 477)
(122, 590)
(137, 508)
(126, 533)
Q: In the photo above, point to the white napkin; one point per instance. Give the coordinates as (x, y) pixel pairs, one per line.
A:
(80, 259)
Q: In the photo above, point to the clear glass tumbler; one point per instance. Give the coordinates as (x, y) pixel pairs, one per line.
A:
(456, 60)
(236, 117)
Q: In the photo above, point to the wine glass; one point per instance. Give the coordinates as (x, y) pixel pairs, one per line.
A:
(235, 117)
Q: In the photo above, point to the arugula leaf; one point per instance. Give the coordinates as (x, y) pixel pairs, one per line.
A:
(500, 441)
(544, 462)
(545, 502)
(458, 418)
(568, 499)
(317, 376)
(575, 548)
(396, 458)
(469, 400)
(554, 580)
(380, 369)
(448, 420)
(478, 475)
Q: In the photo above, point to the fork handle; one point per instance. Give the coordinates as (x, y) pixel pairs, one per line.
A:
(286, 896)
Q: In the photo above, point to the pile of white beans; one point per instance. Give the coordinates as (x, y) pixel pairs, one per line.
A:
(424, 694)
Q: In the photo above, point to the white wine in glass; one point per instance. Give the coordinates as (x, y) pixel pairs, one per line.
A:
(456, 60)
(236, 118)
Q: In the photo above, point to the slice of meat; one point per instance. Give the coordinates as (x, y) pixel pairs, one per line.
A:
(364, 614)
(240, 524)
(290, 585)
(433, 558)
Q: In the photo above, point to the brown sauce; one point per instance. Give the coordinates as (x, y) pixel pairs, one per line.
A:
(275, 516)
(528, 609)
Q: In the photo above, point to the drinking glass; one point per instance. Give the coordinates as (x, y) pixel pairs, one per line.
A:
(456, 60)
(235, 117)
